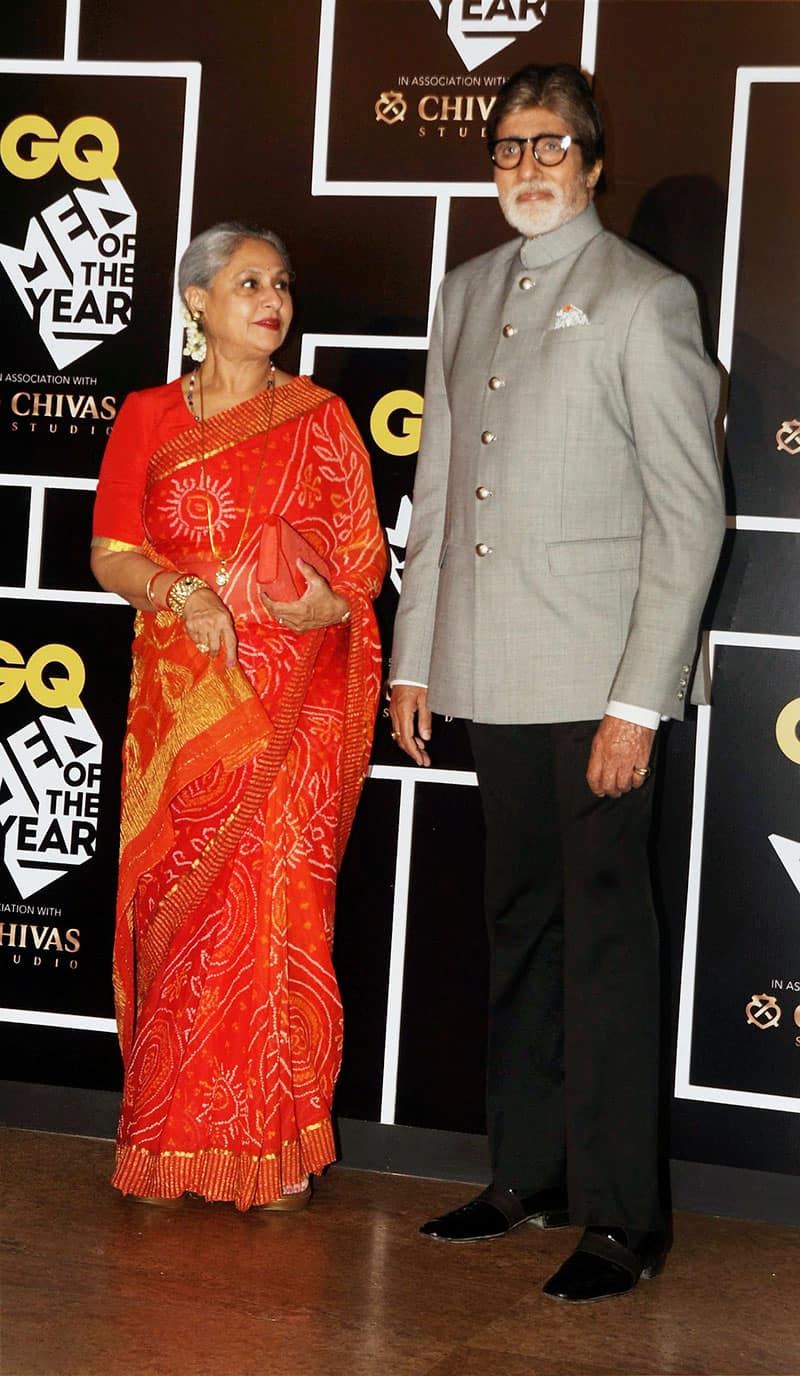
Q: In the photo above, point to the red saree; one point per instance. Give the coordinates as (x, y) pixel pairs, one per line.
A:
(239, 788)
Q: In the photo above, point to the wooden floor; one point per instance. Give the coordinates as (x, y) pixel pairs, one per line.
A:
(95, 1285)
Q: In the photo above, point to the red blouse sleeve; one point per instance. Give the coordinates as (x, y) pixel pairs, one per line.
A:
(120, 489)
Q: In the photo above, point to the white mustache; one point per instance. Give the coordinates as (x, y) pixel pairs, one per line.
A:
(527, 187)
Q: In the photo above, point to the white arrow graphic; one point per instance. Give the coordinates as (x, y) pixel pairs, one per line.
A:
(789, 855)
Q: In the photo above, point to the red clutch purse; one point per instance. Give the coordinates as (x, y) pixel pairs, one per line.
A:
(281, 546)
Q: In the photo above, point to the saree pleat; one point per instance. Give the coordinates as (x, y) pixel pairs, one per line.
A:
(239, 790)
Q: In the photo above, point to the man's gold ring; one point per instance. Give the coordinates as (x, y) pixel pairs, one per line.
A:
(395, 735)
(642, 771)
(203, 647)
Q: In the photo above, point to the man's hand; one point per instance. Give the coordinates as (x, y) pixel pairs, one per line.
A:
(619, 749)
(411, 720)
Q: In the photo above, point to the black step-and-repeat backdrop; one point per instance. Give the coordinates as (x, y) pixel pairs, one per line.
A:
(356, 128)
(94, 201)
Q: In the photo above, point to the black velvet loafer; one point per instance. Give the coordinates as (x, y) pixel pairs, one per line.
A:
(606, 1265)
(495, 1212)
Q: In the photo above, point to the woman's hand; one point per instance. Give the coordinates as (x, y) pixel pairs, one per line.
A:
(145, 585)
(319, 606)
(210, 625)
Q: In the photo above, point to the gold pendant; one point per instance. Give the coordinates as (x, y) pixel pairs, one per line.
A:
(221, 577)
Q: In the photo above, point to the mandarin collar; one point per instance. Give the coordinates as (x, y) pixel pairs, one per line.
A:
(559, 243)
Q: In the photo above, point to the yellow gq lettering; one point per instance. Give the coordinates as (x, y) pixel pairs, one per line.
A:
(786, 730)
(11, 678)
(48, 689)
(45, 148)
(407, 442)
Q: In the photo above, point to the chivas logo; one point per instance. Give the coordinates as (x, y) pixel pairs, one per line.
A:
(478, 29)
(787, 437)
(390, 107)
(763, 1011)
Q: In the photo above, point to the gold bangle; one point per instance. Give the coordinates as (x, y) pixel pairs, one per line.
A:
(345, 616)
(181, 590)
(148, 592)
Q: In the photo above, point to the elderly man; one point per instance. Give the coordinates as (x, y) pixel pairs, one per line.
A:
(567, 523)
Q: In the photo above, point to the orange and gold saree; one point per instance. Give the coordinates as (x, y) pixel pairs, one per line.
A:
(239, 789)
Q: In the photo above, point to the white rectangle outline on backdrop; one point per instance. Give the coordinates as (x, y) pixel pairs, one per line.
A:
(182, 71)
(685, 1088)
(746, 78)
(190, 73)
(321, 186)
(441, 193)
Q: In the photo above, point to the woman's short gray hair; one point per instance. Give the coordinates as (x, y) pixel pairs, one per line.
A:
(209, 252)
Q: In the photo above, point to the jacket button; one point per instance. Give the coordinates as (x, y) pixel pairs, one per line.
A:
(496, 383)
(683, 683)
(681, 694)
(509, 330)
(488, 437)
(482, 493)
(525, 283)
(482, 550)
(684, 668)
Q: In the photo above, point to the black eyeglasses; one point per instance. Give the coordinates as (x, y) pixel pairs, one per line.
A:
(548, 149)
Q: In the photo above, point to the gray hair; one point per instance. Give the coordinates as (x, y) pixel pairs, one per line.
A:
(209, 252)
(562, 88)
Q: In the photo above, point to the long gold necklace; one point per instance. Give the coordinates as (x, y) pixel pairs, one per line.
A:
(222, 572)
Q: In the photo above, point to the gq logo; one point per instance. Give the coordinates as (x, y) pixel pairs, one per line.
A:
(786, 730)
(400, 403)
(51, 691)
(50, 768)
(395, 425)
(786, 735)
(44, 148)
(478, 29)
(73, 276)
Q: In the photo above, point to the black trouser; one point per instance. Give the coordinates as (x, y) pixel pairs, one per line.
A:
(574, 976)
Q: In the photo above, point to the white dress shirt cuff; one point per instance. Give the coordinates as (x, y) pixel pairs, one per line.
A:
(641, 716)
(408, 682)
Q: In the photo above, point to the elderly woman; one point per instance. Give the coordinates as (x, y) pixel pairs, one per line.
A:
(249, 730)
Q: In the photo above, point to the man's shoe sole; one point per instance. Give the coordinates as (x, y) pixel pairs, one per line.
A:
(553, 1218)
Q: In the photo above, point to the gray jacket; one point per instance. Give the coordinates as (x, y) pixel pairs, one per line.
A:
(568, 508)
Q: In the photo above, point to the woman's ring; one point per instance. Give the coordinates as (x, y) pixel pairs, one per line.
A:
(202, 646)
(643, 772)
(280, 620)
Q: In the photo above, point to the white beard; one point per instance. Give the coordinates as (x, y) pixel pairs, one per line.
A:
(541, 217)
